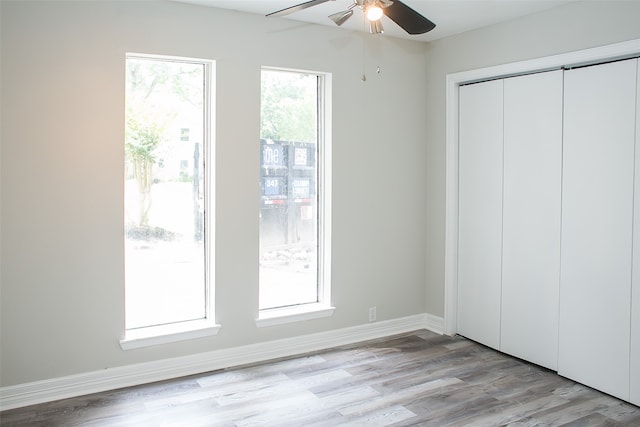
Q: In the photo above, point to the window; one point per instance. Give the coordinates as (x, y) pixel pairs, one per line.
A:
(167, 202)
(294, 275)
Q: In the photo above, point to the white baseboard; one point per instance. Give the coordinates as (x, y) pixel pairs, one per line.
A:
(125, 376)
(434, 323)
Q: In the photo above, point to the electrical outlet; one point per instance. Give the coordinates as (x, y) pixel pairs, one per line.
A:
(372, 314)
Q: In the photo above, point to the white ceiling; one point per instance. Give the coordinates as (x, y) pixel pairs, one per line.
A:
(450, 16)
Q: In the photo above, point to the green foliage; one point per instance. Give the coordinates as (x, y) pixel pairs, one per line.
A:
(288, 106)
(147, 77)
(141, 141)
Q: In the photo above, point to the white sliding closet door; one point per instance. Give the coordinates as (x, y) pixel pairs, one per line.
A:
(480, 212)
(635, 307)
(531, 217)
(597, 211)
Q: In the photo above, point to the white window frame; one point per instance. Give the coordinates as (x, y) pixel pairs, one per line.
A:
(322, 308)
(180, 331)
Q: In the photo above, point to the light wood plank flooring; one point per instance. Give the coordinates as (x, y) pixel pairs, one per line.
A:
(419, 378)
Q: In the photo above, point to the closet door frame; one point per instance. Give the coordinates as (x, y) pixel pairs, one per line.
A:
(627, 49)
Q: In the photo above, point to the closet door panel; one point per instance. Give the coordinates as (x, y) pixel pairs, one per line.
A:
(597, 210)
(480, 207)
(531, 217)
(635, 306)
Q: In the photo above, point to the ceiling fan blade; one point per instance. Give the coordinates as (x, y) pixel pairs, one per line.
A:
(341, 17)
(410, 20)
(297, 7)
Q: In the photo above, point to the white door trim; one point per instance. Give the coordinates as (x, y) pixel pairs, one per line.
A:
(453, 81)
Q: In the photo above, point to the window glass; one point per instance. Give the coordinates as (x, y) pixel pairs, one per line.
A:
(165, 229)
(289, 176)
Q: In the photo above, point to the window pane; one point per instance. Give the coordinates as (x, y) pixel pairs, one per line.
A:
(164, 192)
(288, 182)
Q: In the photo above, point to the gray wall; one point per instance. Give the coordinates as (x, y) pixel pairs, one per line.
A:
(62, 174)
(576, 26)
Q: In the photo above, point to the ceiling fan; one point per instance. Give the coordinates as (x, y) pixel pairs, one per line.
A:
(410, 20)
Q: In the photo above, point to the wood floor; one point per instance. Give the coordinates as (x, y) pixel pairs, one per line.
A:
(415, 379)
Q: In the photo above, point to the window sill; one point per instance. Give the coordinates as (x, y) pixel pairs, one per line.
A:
(280, 316)
(164, 334)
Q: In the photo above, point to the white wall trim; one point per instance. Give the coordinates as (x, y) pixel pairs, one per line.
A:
(453, 81)
(434, 323)
(164, 334)
(125, 376)
(299, 313)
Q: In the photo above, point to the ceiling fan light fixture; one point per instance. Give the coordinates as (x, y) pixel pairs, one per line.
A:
(374, 12)
(375, 27)
(341, 17)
